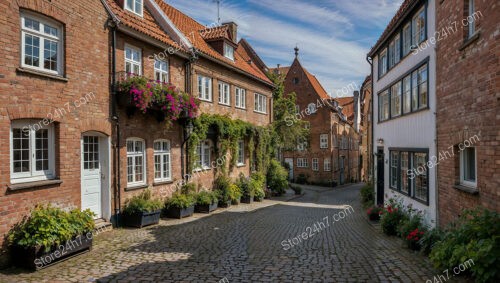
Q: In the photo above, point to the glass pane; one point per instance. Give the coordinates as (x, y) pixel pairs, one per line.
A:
(404, 173)
(41, 149)
(32, 24)
(130, 169)
(469, 164)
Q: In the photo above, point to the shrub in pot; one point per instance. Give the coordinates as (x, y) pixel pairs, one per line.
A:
(374, 213)
(367, 196)
(391, 218)
(179, 206)
(257, 182)
(221, 186)
(277, 178)
(206, 202)
(247, 190)
(49, 234)
(142, 210)
(234, 194)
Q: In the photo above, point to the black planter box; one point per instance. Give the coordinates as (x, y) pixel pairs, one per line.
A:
(140, 220)
(205, 208)
(236, 202)
(225, 204)
(247, 199)
(180, 212)
(36, 258)
(258, 199)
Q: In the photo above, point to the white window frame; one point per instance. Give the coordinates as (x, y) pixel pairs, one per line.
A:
(134, 8)
(131, 61)
(224, 93)
(302, 163)
(260, 103)
(327, 165)
(241, 153)
(43, 21)
(464, 182)
(471, 28)
(383, 63)
(315, 164)
(228, 51)
(31, 126)
(323, 141)
(204, 88)
(162, 153)
(240, 98)
(133, 155)
(203, 160)
(161, 72)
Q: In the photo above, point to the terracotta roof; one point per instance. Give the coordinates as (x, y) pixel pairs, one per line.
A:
(252, 55)
(405, 7)
(146, 24)
(282, 70)
(347, 104)
(191, 29)
(317, 85)
(216, 33)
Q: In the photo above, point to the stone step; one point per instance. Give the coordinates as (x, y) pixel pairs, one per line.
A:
(102, 225)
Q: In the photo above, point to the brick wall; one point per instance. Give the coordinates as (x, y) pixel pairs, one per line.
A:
(468, 95)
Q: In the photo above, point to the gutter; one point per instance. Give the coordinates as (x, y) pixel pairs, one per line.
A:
(370, 61)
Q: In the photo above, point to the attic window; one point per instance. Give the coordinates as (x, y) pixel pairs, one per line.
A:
(295, 81)
(134, 6)
(228, 51)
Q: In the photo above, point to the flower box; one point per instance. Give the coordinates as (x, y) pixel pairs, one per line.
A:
(36, 258)
(140, 220)
(226, 204)
(205, 208)
(247, 199)
(178, 213)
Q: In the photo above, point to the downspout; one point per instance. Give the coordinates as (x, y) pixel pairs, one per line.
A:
(370, 155)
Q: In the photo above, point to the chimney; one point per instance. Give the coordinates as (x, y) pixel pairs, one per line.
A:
(233, 30)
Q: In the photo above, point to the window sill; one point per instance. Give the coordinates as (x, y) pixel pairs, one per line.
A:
(159, 183)
(136, 187)
(469, 41)
(240, 108)
(42, 74)
(205, 100)
(223, 104)
(32, 185)
(240, 165)
(469, 190)
(258, 112)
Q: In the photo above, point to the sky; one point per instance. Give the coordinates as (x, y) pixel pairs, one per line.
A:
(333, 36)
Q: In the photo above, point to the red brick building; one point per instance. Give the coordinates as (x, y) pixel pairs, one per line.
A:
(330, 155)
(366, 147)
(468, 112)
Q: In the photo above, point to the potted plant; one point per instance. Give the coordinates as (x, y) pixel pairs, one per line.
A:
(179, 206)
(50, 234)
(206, 202)
(142, 210)
(222, 187)
(247, 190)
(234, 194)
(374, 213)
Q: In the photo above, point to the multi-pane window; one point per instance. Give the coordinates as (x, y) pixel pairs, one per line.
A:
(407, 94)
(161, 71)
(162, 160)
(135, 6)
(418, 27)
(133, 59)
(315, 164)
(301, 144)
(383, 106)
(382, 63)
(396, 100)
(203, 155)
(409, 173)
(240, 98)
(32, 151)
(394, 51)
(241, 152)
(136, 161)
(406, 39)
(302, 163)
(204, 88)
(42, 47)
(327, 165)
(260, 103)
(228, 51)
(323, 141)
(471, 29)
(90, 152)
(422, 87)
(468, 168)
(224, 93)
(397, 49)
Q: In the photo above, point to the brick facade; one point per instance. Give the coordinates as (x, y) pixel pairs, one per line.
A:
(468, 94)
(366, 147)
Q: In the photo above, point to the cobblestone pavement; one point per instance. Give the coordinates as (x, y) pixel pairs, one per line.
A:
(244, 244)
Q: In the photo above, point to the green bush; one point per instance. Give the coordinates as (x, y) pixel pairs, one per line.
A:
(257, 183)
(302, 179)
(48, 226)
(247, 191)
(391, 218)
(188, 189)
(296, 189)
(374, 213)
(429, 239)
(411, 229)
(367, 196)
(206, 198)
(277, 178)
(143, 202)
(476, 236)
(179, 200)
(234, 193)
(221, 186)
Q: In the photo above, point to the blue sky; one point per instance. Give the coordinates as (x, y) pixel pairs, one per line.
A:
(333, 36)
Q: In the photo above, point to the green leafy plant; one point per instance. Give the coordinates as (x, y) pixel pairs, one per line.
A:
(257, 183)
(206, 198)
(221, 186)
(234, 193)
(302, 179)
(143, 202)
(367, 196)
(474, 236)
(296, 189)
(277, 177)
(188, 188)
(180, 201)
(247, 191)
(374, 213)
(391, 217)
(429, 239)
(48, 226)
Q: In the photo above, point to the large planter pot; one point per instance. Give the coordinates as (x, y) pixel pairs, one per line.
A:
(224, 204)
(247, 199)
(205, 208)
(236, 201)
(179, 213)
(37, 258)
(142, 219)
(258, 199)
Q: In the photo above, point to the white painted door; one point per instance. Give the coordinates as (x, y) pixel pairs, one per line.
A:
(91, 175)
(289, 161)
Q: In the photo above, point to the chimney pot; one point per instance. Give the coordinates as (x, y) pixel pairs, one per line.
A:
(233, 30)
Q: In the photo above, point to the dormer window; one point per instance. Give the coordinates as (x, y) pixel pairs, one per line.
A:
(228, 51)
(134, 6)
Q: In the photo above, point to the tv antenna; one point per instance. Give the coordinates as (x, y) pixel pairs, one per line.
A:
(218, 10)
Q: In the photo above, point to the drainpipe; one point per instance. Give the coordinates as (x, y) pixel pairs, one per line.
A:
(372, 165)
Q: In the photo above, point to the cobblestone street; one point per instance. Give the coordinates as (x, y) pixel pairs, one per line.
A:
(244, 244)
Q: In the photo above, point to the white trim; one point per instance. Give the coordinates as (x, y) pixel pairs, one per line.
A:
(241, 146)
(228, 51)
(161, 71)
(133, 155)
(161, 153)
(139, 63)
(327, 165)
(260, 103)
(240, 98)
(224, 93)
(132, 10)
(315, 164)
(202, 90)
(323, 141)
(464, 182)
